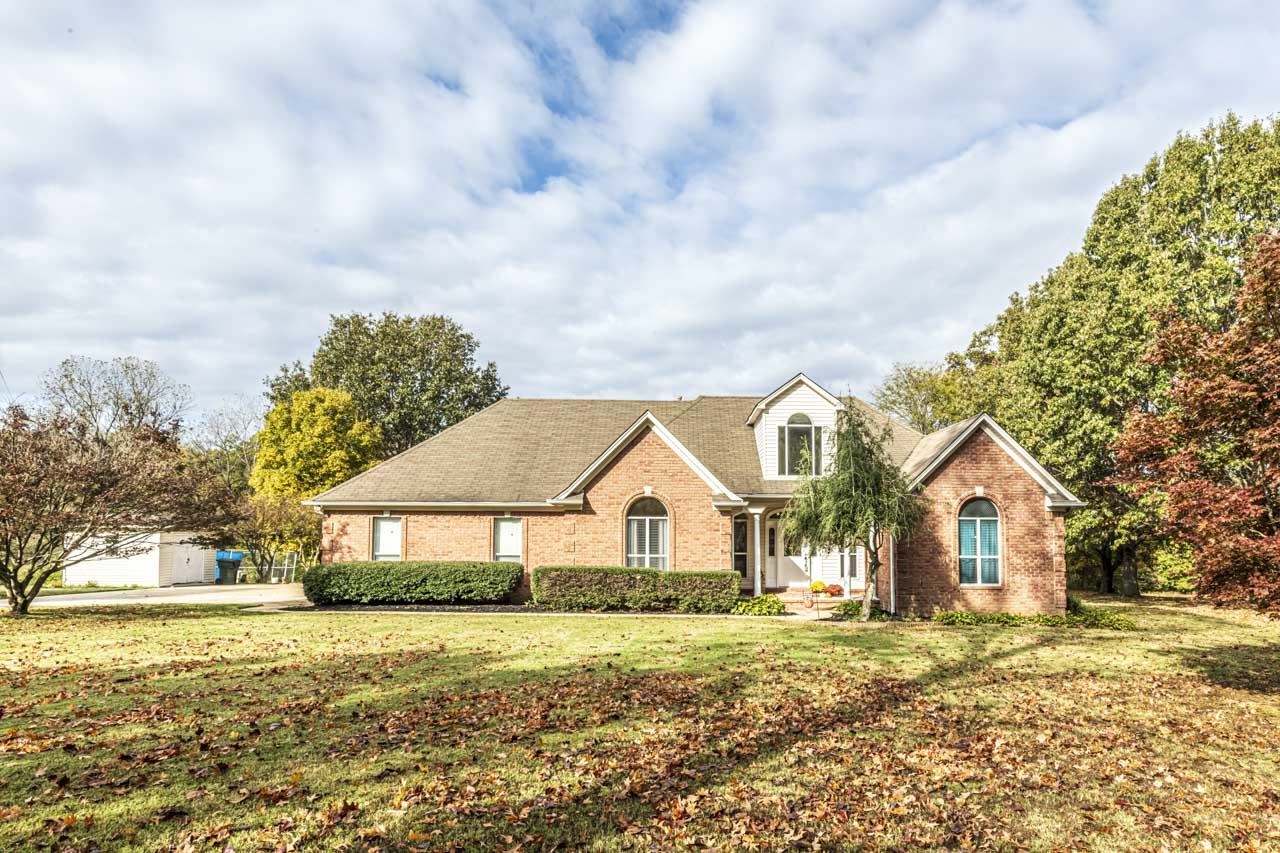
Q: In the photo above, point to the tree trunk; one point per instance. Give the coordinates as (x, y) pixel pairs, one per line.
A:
(1107, 577)
(873, 571)
(868, 588)
(1129, 571)
(20, 604)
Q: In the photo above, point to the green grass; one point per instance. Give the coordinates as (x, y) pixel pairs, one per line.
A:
(79, 590)
(180, 727)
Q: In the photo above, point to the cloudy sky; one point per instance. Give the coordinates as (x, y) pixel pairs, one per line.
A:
(618, 199)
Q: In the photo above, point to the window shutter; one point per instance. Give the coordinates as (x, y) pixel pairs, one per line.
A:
(817, 450)
(782, 451)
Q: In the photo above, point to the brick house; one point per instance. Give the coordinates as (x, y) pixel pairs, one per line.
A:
(699, 484)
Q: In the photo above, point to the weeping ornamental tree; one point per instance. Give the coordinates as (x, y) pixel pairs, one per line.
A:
(863, 499)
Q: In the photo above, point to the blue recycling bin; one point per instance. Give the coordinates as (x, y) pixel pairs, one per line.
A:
(228, 566)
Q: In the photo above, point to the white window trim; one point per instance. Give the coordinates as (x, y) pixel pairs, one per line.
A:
(647, 558)
(745, 574)
(786, 447)
(979, 557)
(507, 558)
(373, 544)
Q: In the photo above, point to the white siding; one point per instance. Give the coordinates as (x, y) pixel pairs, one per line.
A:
(139, 570)
(798, 398)
(154, 567)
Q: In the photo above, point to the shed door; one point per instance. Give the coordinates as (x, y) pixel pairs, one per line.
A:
(188, 564)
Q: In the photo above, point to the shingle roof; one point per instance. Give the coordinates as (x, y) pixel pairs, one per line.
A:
(521, 450)
(929, 446)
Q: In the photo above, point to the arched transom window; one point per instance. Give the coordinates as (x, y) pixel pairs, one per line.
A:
(796, 441)
(647, 537)
(979, 543)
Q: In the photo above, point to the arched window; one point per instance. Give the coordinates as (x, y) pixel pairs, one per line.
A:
(979, 543)
(647, 534)
(796, 440)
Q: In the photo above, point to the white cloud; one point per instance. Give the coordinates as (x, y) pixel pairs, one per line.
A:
(736, 192)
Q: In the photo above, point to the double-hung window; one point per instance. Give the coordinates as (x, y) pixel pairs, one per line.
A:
(647, 537)
(740, 546)
(386, 538)
(979, 543)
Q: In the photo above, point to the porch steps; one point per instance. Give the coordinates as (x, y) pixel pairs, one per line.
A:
(820, 608)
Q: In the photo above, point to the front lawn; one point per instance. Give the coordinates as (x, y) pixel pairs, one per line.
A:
(199, 728)
(80, 590)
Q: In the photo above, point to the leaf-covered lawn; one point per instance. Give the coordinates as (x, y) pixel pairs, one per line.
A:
(199, 728)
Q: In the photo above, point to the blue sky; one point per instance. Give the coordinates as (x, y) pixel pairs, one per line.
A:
(618, 199)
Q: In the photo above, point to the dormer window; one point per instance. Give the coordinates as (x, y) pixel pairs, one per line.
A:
(799, 440)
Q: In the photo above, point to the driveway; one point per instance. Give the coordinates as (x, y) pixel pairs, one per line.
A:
(270, 595)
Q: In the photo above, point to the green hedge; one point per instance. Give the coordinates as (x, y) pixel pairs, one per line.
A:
(1083, 617)
(411, 583)
(614, 588)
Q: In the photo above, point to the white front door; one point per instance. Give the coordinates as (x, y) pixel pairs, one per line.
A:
(188, 564)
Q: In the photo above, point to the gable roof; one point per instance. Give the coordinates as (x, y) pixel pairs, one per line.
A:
(646, 421)
(798, 379)
(936, 447)
(539, 453)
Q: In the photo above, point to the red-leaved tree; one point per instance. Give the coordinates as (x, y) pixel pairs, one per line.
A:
(71, 493)
(1212, 453)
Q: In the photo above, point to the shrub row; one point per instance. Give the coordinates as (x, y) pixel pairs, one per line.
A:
(614, 588)
(411, 582)
(1081, 617)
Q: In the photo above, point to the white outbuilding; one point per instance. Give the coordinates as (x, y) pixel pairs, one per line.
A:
(167, 560)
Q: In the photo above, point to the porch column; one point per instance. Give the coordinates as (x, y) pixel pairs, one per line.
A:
(758, 568)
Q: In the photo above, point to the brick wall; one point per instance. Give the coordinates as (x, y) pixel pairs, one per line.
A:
(1033, 568)
(700, 535)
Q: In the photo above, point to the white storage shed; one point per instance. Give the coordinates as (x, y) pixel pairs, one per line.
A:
(168, 560)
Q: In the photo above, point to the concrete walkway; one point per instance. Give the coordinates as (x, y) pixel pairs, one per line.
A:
(268, 595)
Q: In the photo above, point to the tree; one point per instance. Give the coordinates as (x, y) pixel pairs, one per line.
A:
(926, 397)
(1212, 451)
(863, 499)
(313, 442)
(121, 394)
(1062, 367)
(225, 443)
(270, 526)
(410, 376)
(69, 493)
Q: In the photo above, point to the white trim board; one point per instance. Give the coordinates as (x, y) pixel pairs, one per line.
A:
(787, 386)
(647, 420)
(1018, 453)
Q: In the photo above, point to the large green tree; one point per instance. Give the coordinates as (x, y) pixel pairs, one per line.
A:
(313, 442)
(410, 376)
(1061, 367)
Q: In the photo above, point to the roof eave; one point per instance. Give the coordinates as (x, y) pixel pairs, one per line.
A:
(1020, 455)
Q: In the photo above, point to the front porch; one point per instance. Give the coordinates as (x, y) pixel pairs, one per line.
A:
(767, 563)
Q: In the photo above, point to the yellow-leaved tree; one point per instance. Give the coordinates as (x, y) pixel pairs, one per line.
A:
(311, 442)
